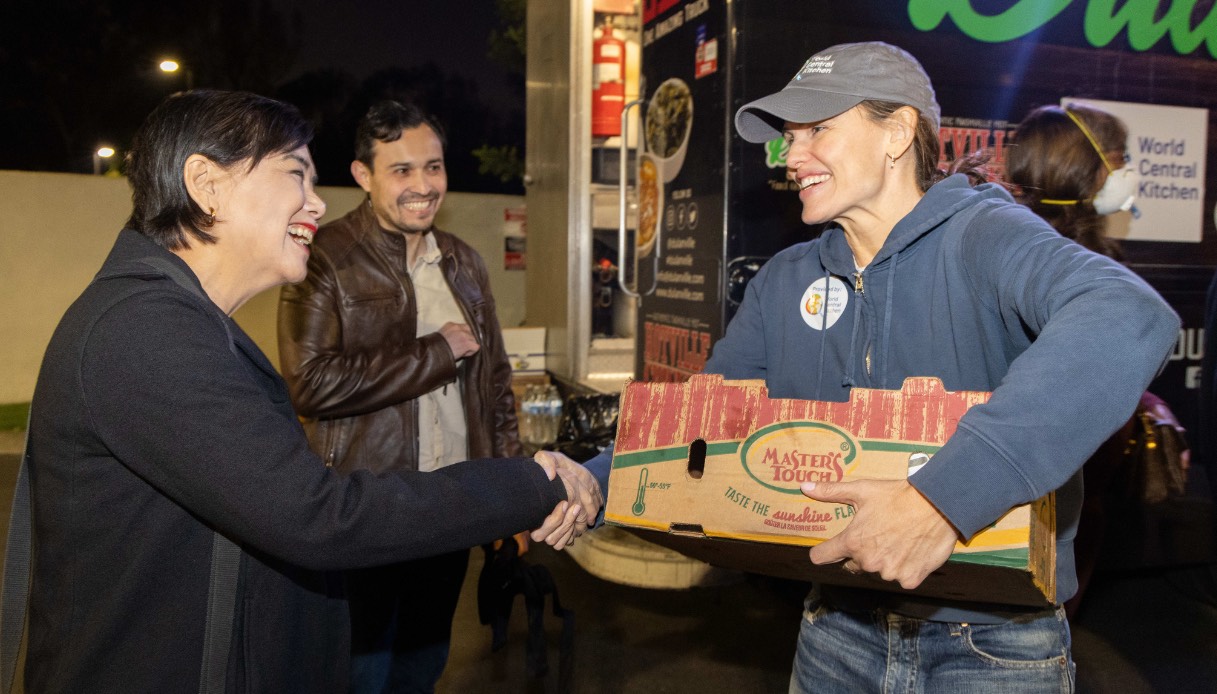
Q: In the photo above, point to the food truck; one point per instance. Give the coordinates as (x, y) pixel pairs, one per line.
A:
(724, 205)
(703, 210)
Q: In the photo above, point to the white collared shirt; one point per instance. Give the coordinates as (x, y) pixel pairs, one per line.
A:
(442, 433)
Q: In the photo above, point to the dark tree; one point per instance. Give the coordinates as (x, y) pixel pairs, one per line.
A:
(324, 97)
(502, 158)
(78, 72)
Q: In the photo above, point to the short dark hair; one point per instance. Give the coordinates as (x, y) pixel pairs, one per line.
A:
(385, 121)
(228, 128)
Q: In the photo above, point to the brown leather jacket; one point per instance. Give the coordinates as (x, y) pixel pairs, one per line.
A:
(354, 364)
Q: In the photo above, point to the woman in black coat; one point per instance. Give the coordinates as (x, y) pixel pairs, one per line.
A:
(185, 537)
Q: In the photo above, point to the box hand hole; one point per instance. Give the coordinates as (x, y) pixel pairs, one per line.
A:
(697, 458)
(687, 529)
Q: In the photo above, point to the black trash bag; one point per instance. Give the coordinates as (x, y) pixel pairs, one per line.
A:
(505, 575)
(589, 424)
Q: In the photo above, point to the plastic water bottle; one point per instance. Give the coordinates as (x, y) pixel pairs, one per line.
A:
(551, 407)
(528, 415)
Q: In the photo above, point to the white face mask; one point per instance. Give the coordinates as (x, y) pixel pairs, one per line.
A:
(1119, 191)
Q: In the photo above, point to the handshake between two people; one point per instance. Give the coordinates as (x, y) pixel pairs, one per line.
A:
(896, 533)
(584, 498)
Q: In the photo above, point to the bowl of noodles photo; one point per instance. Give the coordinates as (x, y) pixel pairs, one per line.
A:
(650, 203)
(669, 120)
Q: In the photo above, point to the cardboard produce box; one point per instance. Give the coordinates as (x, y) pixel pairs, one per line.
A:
(712, 468)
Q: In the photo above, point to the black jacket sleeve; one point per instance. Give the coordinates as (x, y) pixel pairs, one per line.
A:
(216, 434)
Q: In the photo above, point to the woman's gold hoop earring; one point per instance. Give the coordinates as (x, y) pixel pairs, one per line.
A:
(211, 216)
(891, 162)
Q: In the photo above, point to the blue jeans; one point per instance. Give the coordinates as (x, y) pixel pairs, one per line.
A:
(879, 651)
(401, 623)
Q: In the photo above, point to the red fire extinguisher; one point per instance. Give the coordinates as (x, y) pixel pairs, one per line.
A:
(608, 81)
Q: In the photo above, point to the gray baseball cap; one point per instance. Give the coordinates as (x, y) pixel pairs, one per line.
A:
(835, 80)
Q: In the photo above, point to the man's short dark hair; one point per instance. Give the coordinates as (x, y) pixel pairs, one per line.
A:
(228, 128)
(385, 121)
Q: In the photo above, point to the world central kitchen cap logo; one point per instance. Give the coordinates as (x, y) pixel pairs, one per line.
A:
(815, 65)
(783, 456)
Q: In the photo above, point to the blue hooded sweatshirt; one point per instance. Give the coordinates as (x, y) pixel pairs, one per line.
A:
(974, 289)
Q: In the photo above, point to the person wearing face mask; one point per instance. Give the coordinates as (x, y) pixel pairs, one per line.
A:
(1070, 165)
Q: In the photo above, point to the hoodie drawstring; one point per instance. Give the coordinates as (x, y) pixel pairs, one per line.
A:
(887, 322)
(886, 338)
(823, 331)
(848, 380)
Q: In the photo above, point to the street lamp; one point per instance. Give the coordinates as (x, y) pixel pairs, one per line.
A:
(103, 152)
(171, 66)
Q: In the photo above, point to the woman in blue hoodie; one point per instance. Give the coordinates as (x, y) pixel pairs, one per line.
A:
(919, 274)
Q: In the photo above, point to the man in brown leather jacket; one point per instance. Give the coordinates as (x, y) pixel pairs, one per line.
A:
(394, 357)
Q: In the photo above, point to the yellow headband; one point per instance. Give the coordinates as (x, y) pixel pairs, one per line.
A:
(1090, 138)
(1093, 143)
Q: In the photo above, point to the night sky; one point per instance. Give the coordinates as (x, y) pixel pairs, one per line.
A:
(77, 73)
(367, 35)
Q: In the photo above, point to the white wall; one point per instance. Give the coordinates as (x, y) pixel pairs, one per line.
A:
(56, 229)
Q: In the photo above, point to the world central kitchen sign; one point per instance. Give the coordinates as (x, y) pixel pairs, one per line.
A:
(1167, 144)
(1104, 20)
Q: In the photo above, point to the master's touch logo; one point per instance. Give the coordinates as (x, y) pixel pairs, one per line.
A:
(782, 456)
